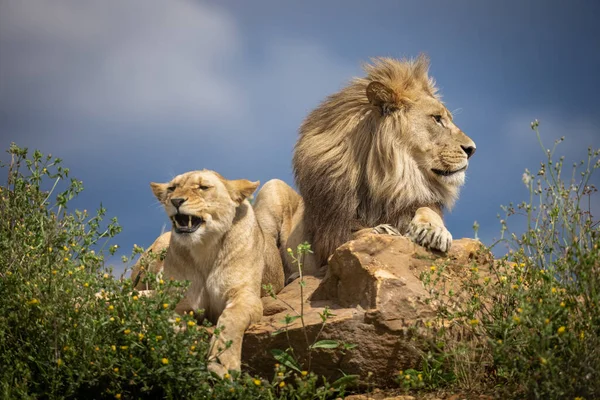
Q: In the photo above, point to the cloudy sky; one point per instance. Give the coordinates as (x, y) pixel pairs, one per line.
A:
(129, 92)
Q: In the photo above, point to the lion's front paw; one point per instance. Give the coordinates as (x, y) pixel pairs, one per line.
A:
(430, 236)
(386, 229)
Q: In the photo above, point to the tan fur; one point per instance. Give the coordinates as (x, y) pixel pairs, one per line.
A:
(224, 258)
(279, 210)
(366, 155)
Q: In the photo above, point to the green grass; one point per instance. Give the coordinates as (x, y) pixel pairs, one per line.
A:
(530, 327)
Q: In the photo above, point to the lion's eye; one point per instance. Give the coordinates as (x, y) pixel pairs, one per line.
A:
(171, 188)
(202, 187)
(438, 119)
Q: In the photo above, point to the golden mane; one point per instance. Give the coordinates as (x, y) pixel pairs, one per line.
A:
(354, 167)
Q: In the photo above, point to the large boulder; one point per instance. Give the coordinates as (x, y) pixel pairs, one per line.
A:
(374, 291)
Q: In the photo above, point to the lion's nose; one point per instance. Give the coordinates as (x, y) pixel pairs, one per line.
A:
(178, 201)
(469, 150)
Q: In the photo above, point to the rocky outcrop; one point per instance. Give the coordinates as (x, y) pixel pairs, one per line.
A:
(376, 301)
(373, 291)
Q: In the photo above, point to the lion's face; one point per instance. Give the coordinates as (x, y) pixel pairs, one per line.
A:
(440, 148)
(202, 202)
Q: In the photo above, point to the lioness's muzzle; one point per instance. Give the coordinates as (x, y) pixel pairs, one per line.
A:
(185, 223)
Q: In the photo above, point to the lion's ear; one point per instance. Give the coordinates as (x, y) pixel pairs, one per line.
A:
(241, 189)
(382, 97)
(159, 190)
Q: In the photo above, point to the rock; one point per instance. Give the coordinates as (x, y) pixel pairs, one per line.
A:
(373, 290)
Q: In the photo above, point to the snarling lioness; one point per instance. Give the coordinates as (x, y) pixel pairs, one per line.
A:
(217, 244)
(381, 153)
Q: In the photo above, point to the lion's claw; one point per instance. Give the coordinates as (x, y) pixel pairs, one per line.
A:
(427, 235)
(386, 229)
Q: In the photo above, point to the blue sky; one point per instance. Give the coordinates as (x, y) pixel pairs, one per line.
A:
(129, 92)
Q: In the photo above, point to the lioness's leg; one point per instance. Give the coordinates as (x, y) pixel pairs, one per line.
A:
(241, 311)
(280, 212)
(427, 229)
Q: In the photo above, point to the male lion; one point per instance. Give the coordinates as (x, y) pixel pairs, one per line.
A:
(381, 153)
(218, 245)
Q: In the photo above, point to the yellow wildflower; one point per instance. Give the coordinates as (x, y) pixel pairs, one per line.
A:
(516, 319)
(116, 370)
(474, 322)
(118, 396)
(432, 268)
(59, 362)
(111, 307)
(178, 320)
(191, 323)
(420, 377)
(97, 348)
(165, 305)
(547, 321)
(304, 373)
(499, 341)
(257, 382)
(127, 331)
(113, 347)
(124, 347)
(54, 272)
(86, 285)
(135, 298)
(543, 361)
(561, 330)
(105, 276)
(553, 290)
(562, 304)
(226, 376)
(158, 338)
(281, 384)
(165, 361)
(140, 336)
(33, 302)
(280, 374)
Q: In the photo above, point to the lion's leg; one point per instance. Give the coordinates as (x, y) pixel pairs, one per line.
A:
(241, 311)
(427, 229)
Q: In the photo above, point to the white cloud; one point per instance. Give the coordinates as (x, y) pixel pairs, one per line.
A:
(140, 59)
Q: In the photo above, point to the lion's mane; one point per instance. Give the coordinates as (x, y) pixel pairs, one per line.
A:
(351, 165)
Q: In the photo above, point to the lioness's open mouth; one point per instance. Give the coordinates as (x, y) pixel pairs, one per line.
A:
(441, 172)
(184, 223)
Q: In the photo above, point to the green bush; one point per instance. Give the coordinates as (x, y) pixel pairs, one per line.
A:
(68, 329)
(532, 322)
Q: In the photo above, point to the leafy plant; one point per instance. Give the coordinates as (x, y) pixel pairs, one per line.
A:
(531, 321)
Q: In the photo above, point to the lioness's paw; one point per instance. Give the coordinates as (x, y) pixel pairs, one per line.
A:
(430, 236)
(217, 369)
(386, 229)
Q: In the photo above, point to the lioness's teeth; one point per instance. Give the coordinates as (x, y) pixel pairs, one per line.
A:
(189, 221)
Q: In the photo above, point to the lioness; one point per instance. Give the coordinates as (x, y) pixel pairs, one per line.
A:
(218, 245)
